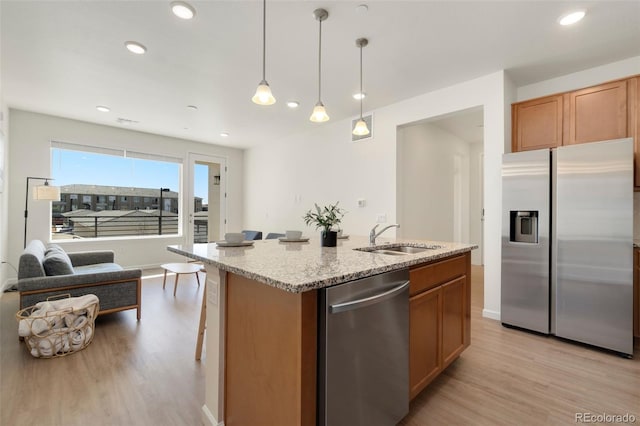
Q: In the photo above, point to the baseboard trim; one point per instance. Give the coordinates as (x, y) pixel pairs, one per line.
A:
(208, 419)
(494, 315)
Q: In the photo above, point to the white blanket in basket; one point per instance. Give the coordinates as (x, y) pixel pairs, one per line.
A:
(59, 316)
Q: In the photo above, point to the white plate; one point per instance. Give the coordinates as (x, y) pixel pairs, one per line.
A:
(294, 240)
(343, 237)
(228, 244)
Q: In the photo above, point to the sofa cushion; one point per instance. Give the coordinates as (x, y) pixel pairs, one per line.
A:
(30, 264)
(97, 268)
(56, 262)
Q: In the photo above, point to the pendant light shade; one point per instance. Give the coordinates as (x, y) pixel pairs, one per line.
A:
(319, 113)
(263, 94)
(361, 128)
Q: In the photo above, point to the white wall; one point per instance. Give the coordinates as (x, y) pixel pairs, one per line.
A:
(5, 271)
(31, 134)
(476, 190)
(285, 177)
(426, 178)
(580, 79)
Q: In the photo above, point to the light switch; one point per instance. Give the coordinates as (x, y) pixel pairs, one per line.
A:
(382, 218)
(362, 202)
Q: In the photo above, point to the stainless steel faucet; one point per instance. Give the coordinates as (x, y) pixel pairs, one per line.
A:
(373, 235)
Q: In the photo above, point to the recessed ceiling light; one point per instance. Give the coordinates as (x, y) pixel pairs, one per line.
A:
(358, 96)
(362, 9)
(103, 108)
(224, 134)
(135, 47)
(571, 18)
(183, 10)
(192, 107)
(293, 104)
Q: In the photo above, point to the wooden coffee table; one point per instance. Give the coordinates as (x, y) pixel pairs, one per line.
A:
(180, 268)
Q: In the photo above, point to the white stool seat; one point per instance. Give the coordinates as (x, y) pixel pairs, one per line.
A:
(180, 268)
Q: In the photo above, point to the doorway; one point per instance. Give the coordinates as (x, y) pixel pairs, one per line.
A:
(440, 179)
(206, 199)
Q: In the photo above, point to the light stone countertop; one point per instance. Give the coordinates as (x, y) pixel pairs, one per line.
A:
(302, 266)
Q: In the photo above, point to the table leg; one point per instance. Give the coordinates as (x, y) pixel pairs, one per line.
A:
(198, 279)
(175, 285)
(164, 281)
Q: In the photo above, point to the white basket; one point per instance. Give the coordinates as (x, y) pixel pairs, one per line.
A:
(59, 332)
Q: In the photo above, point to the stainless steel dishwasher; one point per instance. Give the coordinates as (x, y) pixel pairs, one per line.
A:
(364, 351)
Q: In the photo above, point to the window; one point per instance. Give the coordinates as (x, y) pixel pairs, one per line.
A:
(112, 193)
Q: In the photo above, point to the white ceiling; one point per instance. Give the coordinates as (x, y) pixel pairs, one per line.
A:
(66, 57)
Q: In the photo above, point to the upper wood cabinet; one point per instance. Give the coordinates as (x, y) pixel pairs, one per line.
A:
(537, 124)
(633, 112)
(596, 114)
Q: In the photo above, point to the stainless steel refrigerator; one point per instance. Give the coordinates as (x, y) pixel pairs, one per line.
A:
(567, 242)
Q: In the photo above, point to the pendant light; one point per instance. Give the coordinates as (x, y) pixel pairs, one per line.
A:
(263, 94)
(319, 114)
(361, 128)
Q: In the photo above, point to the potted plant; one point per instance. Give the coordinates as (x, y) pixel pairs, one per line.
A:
(326, 218)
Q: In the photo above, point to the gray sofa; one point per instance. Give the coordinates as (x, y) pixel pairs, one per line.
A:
(49, 271)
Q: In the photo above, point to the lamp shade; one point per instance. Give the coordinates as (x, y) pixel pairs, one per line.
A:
(263, 94)
(46, 192)
(319, 114)
(361, 128)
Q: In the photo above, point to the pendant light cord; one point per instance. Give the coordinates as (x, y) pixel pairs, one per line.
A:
(319, 61)
(264, 38)
(361, 93)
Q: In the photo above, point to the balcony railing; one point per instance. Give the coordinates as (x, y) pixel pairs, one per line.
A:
(95, 226)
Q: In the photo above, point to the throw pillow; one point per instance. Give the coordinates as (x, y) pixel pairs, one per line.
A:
(57, 263)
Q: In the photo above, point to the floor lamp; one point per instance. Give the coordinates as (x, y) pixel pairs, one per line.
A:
(40, 192)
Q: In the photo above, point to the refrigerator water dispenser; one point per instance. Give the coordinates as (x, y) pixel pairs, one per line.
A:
(524, 226)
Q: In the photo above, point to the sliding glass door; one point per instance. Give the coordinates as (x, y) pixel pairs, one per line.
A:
(206, 198)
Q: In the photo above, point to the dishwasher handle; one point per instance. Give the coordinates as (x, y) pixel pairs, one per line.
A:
(367, 301)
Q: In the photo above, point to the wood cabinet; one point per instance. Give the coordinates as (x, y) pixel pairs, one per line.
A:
(596, 113)
(440, 314)
(606, 111)
(636, 292)
(537, 123)
(633, 112)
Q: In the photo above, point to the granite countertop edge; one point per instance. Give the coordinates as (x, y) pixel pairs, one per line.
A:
(314, 284)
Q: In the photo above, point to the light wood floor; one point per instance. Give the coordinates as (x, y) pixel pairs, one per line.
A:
(145, 374)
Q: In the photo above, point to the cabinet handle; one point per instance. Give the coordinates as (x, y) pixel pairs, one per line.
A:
(361, 303)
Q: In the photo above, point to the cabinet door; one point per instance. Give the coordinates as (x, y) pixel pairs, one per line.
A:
(454, 296)
(425, 339)
(636, 292)
(597, 113)
(537, 124)
(633, 114)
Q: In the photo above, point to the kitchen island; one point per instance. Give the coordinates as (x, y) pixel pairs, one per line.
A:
(262, 319)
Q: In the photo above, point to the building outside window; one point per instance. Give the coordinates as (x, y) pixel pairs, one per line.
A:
(109, 193)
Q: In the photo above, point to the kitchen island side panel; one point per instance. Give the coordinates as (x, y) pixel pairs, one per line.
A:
(271, 355)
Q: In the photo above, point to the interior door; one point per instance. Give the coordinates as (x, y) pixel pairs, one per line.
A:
(206, 198)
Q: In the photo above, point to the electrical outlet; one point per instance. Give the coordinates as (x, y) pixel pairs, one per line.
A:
(362, 202)
(382, 218)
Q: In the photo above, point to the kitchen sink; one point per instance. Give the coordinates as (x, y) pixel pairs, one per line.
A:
(391, 252)
(399, 249)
